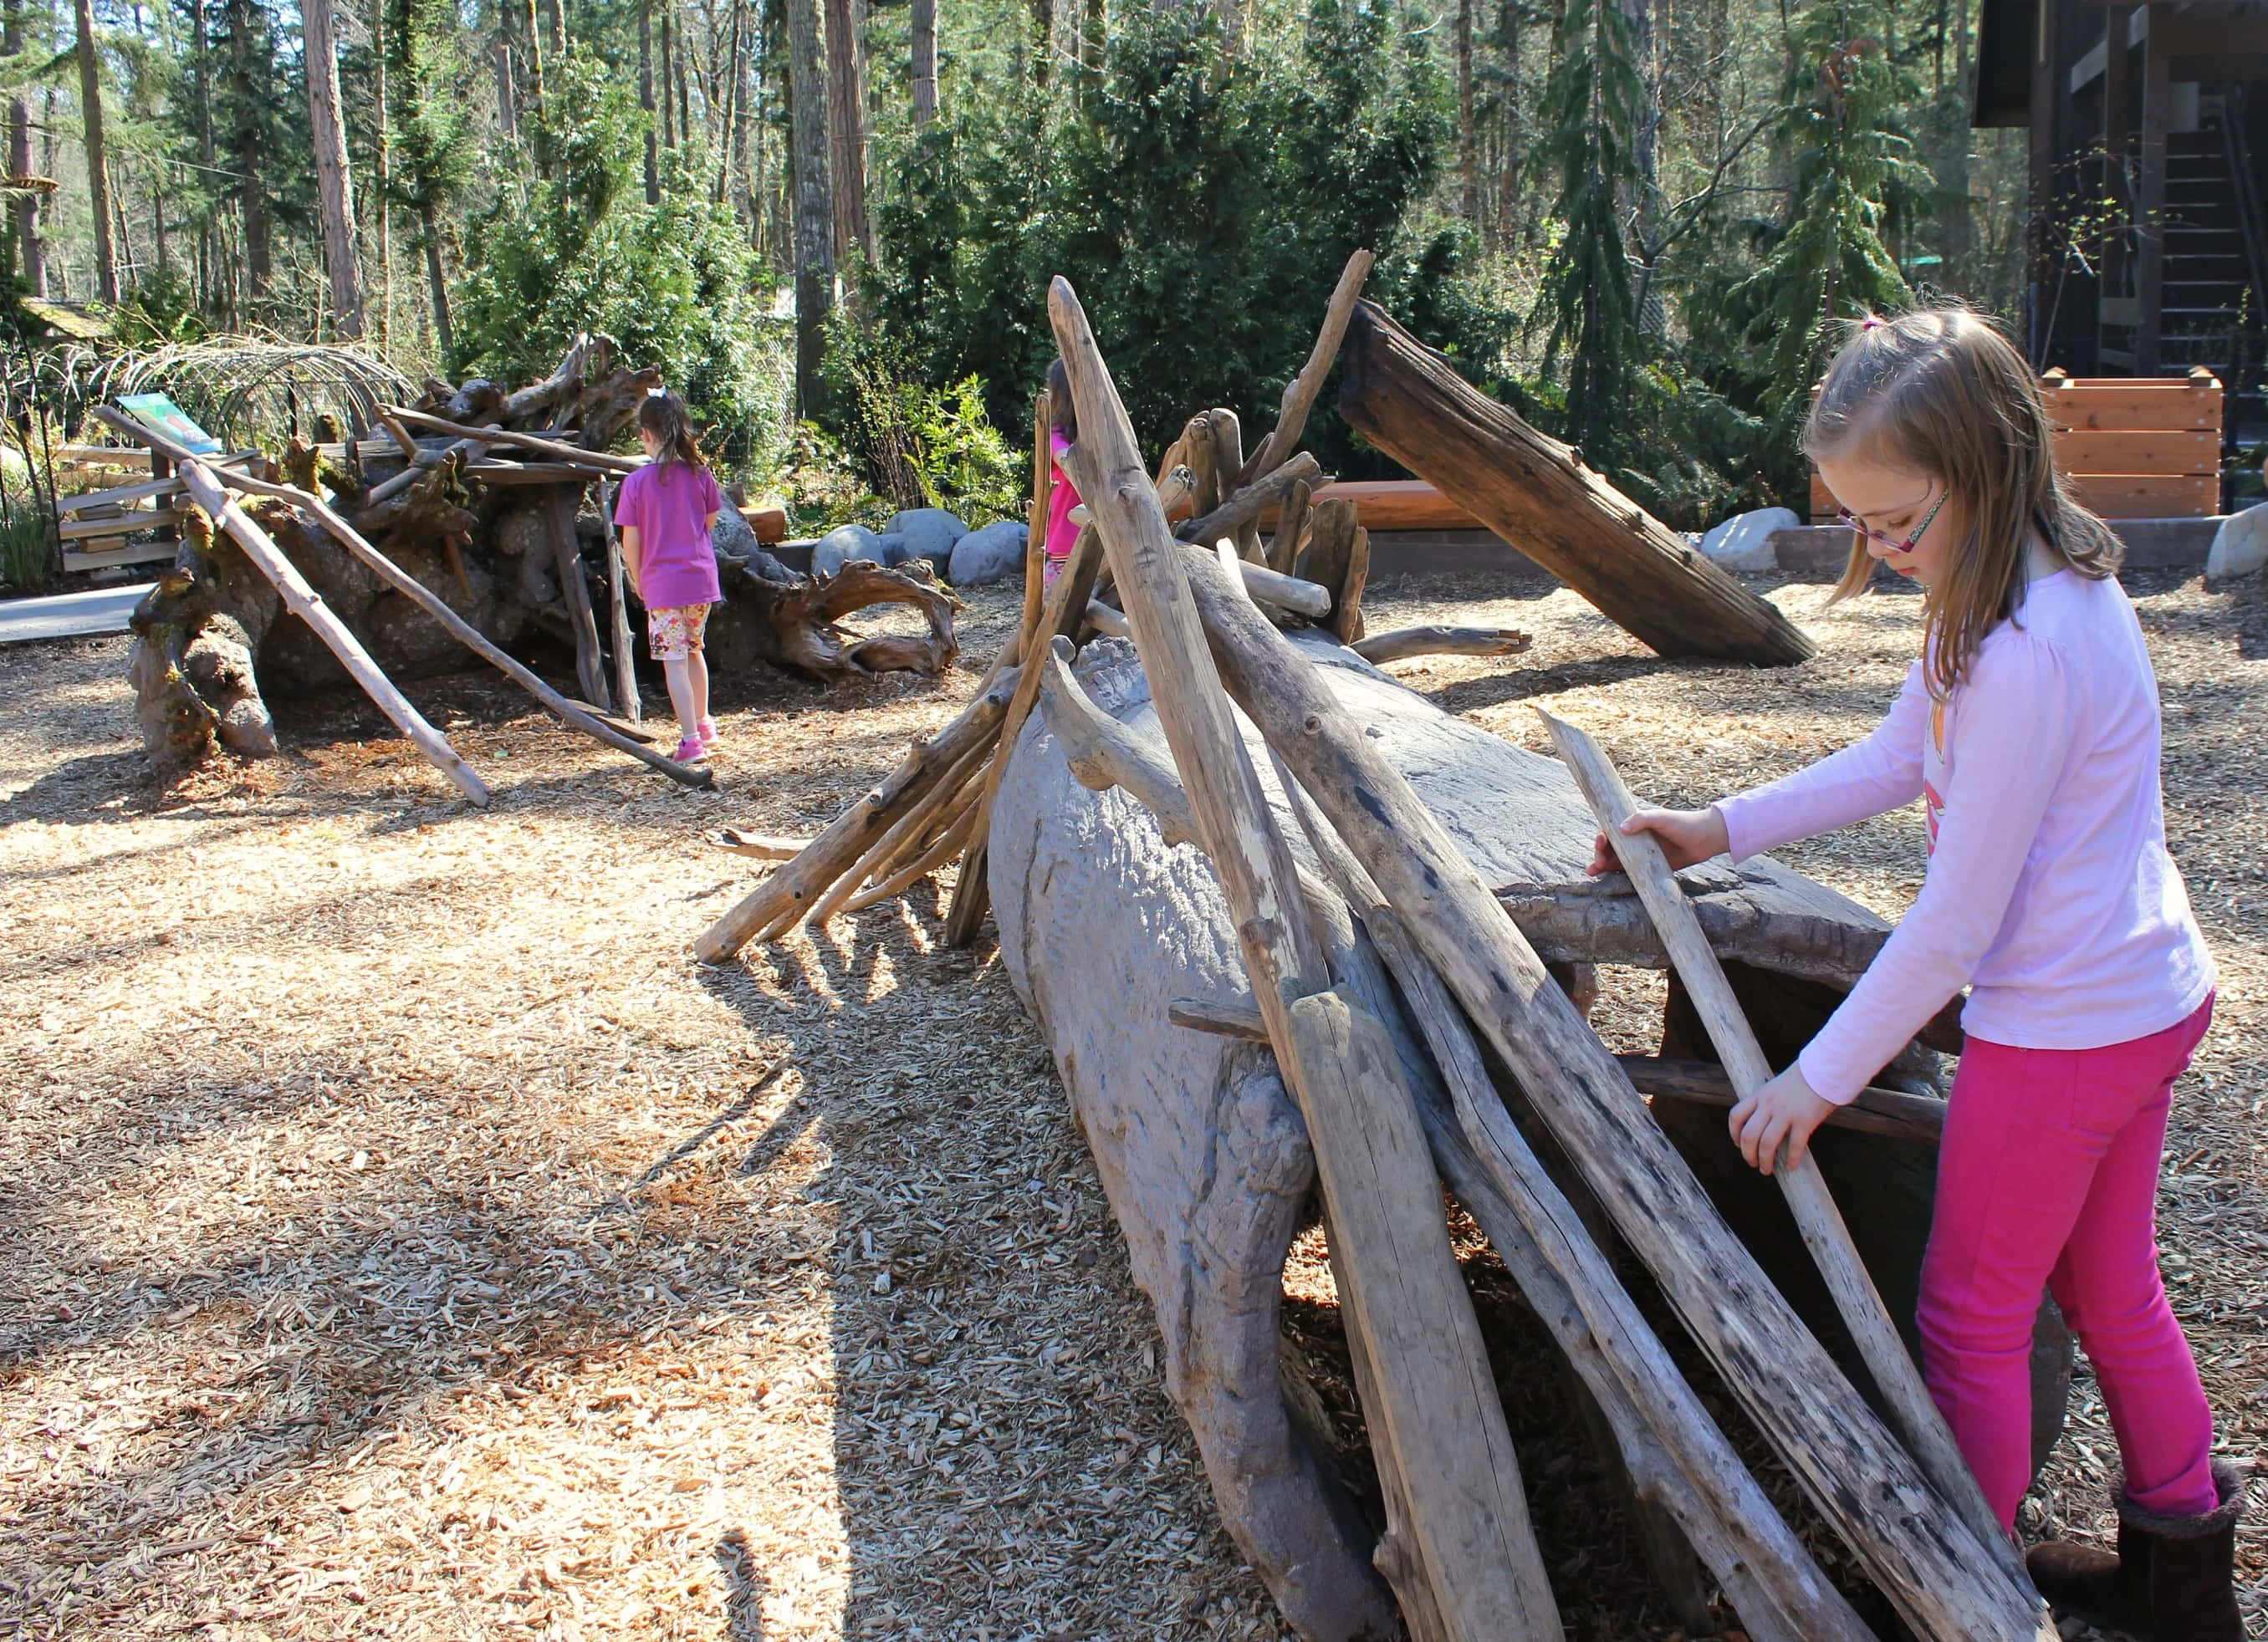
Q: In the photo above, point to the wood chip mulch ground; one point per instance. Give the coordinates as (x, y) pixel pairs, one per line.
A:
(404, 1237)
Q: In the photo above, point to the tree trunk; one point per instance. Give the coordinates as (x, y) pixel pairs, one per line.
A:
(333, 176)
(674, 47)
(97, 175)
(1537, 494)
(726, 151)
(846, 110)
(1469, 176)
(646, 101)
(1094, 34)
(384, 181)
(814, 206)
(248, 148)
(1043, 42)
(507, 110)
(924, 42)
(437, 282)
(29, 255)
(668, 83)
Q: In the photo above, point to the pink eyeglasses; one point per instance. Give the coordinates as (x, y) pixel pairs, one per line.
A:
(1894, 545)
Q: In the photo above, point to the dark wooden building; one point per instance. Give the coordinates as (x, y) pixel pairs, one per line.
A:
(2149, 130)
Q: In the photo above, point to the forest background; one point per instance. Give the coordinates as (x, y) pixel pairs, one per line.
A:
(831, 222)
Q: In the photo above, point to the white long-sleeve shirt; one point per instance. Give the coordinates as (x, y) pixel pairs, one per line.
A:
(2048, 891)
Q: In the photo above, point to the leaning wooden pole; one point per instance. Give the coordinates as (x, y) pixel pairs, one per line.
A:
(1537, 494)
(432, 602)
(1861, 1306)
(306, 604)
(626, 683)
(1923, 1556)
(1468, 1526)
(1675, 1450)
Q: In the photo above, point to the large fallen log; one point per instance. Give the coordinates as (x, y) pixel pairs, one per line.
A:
(1536, 492)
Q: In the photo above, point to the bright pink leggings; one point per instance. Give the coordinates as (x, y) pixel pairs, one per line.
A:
(2048, 1175)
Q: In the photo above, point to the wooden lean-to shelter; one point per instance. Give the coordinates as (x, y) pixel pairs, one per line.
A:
(1293, 932)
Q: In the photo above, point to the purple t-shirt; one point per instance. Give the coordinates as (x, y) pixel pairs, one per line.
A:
(669, 505)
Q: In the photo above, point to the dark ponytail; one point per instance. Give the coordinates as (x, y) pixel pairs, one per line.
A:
(663, 415)
(1063, 415)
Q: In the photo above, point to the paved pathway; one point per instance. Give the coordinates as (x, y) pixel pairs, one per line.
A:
(69, 615)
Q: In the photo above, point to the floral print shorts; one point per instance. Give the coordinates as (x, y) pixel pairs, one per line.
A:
(675, 634)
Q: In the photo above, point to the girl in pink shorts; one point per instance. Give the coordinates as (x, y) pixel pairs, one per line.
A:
(2029, 730)
(665, 512)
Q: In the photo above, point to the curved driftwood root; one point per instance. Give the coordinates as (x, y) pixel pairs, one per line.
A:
(794, 624)
(1403, 642)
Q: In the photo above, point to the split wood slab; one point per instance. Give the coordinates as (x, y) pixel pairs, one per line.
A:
(1536, 493)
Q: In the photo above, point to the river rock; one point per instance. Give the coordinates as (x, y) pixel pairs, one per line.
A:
(2240, 546)
(842, 544)
(1743, 542)
(929, 533)
(992, 554)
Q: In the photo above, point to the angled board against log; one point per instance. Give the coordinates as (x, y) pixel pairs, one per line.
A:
(1536, 492)
(1104, 926)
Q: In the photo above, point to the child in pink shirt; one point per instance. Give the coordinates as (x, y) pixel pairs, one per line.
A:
(2029, 729)
(666, 510)
(1063, 495)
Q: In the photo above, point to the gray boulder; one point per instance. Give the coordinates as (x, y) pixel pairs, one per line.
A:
(992, 554)
(842, 544)
(2240, 546)
(896, 549)
(1743, 542)
(930, 532)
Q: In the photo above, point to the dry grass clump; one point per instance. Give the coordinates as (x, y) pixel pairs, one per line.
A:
(405, 1238)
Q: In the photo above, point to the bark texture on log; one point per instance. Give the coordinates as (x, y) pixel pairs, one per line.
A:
(1534, 492)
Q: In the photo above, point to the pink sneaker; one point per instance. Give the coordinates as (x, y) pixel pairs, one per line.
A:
(691, 751)
(708, 732)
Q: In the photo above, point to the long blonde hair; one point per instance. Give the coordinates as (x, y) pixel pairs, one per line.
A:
(1943, 390)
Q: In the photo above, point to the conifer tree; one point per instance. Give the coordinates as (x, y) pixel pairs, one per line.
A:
(1587, 306)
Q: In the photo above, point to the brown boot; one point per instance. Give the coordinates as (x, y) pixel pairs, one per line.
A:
(2173, 1580)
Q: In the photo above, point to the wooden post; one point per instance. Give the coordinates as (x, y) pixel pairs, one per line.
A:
(1299, 393)
(1678, 1458)
(590, 670)
(2117, 131)
(2150, 202)
(626, 682)
(304, 603)
(1536, 492)
(1923, 1556)
(1469, 1529)
(1861, 1307)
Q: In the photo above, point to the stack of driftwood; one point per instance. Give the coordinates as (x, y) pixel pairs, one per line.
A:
(460, 521)
(1411, 1019)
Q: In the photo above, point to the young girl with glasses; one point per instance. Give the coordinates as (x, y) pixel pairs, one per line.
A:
(2029, 729)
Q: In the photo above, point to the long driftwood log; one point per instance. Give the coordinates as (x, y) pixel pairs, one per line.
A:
(1536, 492)
(1105, 927)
